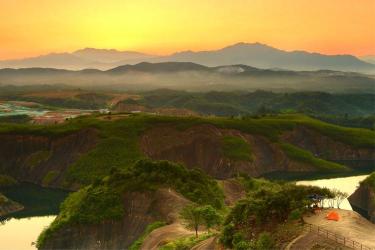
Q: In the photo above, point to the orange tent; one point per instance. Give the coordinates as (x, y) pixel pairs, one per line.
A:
(333, 216)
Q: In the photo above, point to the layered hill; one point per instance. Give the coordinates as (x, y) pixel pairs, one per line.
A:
(79, 151)
(193, 77)
(251, 54)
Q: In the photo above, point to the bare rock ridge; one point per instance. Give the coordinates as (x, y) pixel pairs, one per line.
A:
(42, 159)
(200, 146)
(326, 147)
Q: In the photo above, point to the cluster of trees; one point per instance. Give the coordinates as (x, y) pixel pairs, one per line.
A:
(252, 221)
(338, 197)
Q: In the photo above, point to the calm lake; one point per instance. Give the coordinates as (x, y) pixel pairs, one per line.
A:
(19, 230)
(345, 184)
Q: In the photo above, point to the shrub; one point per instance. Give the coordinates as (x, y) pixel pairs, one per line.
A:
(264, 242)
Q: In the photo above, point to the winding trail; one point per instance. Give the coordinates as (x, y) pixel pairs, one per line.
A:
(163, 234)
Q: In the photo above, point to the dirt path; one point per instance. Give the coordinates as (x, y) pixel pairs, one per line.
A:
(350, 225)
(160, 235)
(293, 242)
(209, 244)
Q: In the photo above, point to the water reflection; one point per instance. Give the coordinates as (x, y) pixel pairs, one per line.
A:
(37, 201)
(345, 184)
(19, 234)
(19, 230)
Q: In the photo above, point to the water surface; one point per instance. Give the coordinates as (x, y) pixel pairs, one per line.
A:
(19, 230)
(19, 234)
(344, 184)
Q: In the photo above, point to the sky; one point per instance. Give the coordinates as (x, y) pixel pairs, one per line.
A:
(34, 27)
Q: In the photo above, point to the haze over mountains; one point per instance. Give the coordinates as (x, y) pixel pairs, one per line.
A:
(251, 54)
(193, 77)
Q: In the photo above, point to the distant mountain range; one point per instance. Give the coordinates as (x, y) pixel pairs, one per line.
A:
(193, 77)
(251, 54)
(369, 59)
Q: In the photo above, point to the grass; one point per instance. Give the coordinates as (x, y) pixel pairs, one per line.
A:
(151, 227)
(307, 157)
(356, 137)
(236, 148)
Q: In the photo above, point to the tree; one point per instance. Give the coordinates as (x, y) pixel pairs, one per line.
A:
(340, 196)
(210, 216)
(192, 216)
(196, 216)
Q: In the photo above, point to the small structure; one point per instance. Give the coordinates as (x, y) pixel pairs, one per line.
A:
(333, 215)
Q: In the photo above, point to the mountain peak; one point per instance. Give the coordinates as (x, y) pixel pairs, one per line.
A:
(247, 45)
(89, 50)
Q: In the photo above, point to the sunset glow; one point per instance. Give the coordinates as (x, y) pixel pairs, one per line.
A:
(34, 27)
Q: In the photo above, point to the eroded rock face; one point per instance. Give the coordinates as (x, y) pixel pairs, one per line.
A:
(200, 146)
(326, 148)
(141, 209)
(31, 158)
(363, 201)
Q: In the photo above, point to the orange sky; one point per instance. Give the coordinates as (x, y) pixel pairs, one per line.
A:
(33, 27)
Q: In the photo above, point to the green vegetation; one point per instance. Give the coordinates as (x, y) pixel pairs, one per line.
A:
(370, 180)
(151, 227)
(7, 181)
(196, 216)
(236, 148)
(253, 220)
(82, 100)
(301, 155)
(366, 121)
(118, 144)
(103, 199)
(185, 243)
(37, 158)
(356, 137)
(258, 102)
